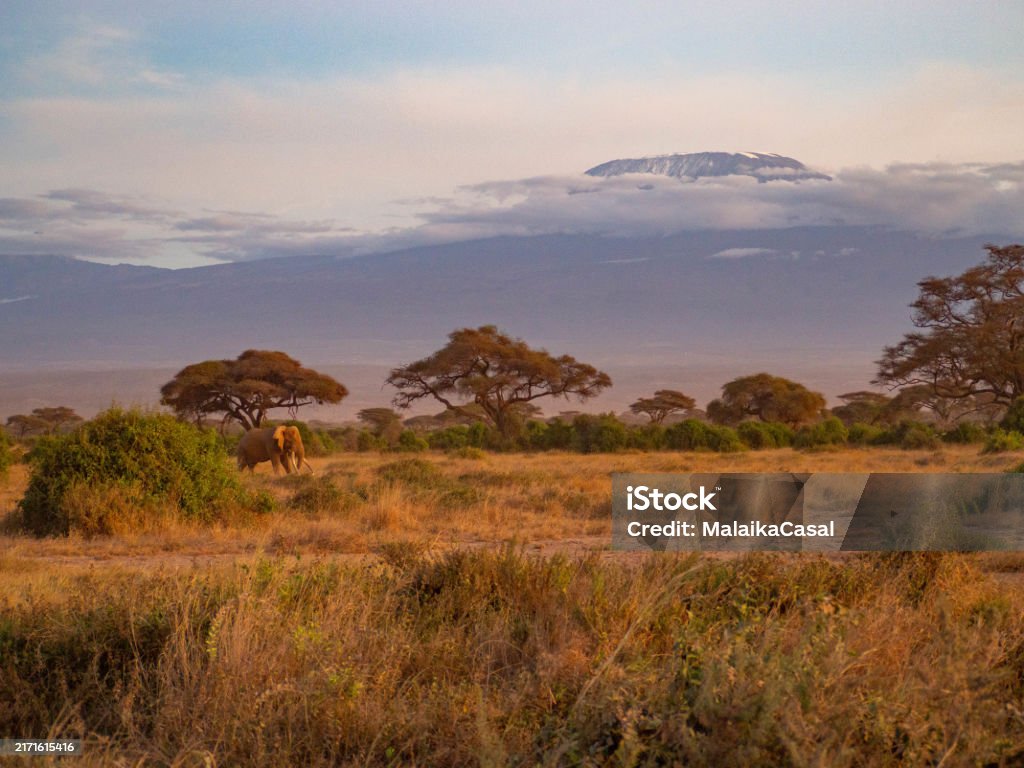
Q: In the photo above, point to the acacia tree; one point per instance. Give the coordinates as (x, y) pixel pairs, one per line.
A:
(383, 422)
(664, 403)
(442, 420)
(22, 424)
(495, 373)
(910, 401)
(768, 398)
(971, 342)
(44, 420)
(246, 388)
(57, 418)
(863, 406)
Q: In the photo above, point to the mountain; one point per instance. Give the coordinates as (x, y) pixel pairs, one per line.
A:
(686, 311)
(763, 167)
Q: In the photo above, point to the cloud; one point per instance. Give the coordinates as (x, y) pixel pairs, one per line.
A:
(256, 223)
(21, 209)
(741, 253)
(90, 203)
(346, 147)
(79, 205)
(92, 224)
(323, 146)
(936, 198)
(98, 56)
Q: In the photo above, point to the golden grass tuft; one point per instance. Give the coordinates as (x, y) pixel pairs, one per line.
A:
(472, 656)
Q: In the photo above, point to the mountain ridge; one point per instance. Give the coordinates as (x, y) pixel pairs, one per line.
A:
(760, 165)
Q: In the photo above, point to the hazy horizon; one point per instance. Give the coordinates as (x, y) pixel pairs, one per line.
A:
(91, 390)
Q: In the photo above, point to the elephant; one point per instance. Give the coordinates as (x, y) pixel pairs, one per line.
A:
(274, 444)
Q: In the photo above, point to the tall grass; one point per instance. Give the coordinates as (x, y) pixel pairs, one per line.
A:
(494, 658)
(365, 501)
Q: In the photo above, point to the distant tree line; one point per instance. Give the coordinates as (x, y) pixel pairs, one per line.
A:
(958, 377)
(42, 421)
(609, 433)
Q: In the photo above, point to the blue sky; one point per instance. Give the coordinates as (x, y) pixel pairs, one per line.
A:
(852, 41)
(323, 121)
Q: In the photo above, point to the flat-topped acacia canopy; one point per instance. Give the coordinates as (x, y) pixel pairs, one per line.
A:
(497, 374)
(245, 388)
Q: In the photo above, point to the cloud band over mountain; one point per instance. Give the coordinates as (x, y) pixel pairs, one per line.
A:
(937, 198)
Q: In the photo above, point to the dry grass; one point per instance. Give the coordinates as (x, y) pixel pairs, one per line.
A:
(356, 505)
(493, 658)
(371, 621)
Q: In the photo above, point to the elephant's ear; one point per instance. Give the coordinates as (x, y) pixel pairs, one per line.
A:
(279, 437)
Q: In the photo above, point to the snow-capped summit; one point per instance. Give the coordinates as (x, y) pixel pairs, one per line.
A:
(762, 166)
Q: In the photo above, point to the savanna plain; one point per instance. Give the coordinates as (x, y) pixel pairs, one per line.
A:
(467, 610)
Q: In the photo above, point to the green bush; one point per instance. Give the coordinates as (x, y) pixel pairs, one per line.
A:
(918, 438)
(228, 442)
(449, 438)
(649, 437)
(831, 431)
(426, 480)
(599, 434)
(326, 441)
(535, 434)
(367, 441)
(410, 442)
(476, 435)
(909, 435)
(559, 436)
(411, 472)
(860, 433)
(1001, 440)
(694, 435)
(765, 434)
(147, 464)
(6, 454)
(467, 452)
(1013, 421)
(688, 435)
(483, 436)
(315, 445)
(725, 440)
(320, 495)
(966, 432)
(342, 438)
